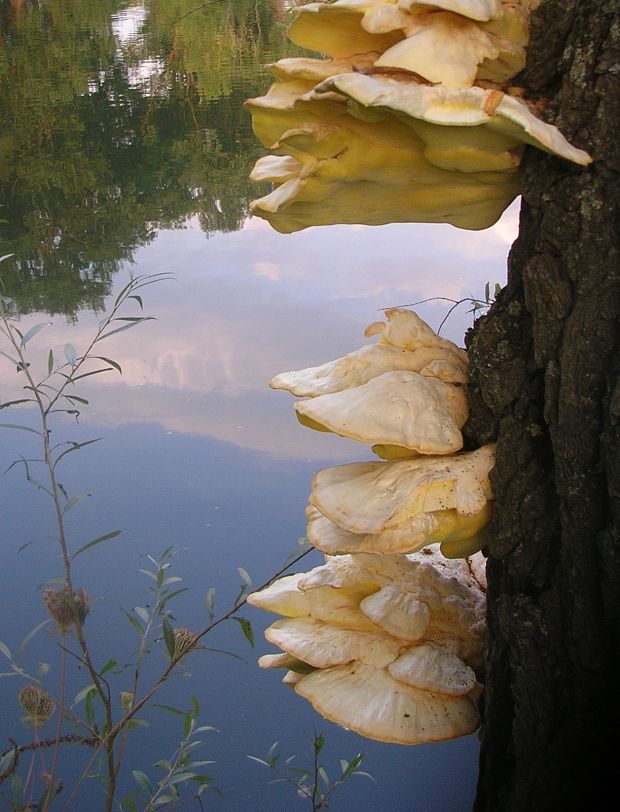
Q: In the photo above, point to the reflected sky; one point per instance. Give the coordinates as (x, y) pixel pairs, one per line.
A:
(244, 306)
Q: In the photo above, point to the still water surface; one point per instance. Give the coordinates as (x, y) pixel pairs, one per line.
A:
(125, 147)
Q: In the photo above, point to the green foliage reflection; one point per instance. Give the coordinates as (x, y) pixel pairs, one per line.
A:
(108, 137)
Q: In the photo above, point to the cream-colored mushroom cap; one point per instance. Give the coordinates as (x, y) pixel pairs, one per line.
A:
(456, 534)
(372, 497)
(335, 28)
(405, 329)
(369, 362)
(291, 678)
(284, 660)
(341, 572)
(315, 70)
(322, 645)
(431, 668)
(397, 408)
(336, 606)
(481, 10)
(453, 51)
(454, 597)
(372, 703)
(398, 613)
(463, 109)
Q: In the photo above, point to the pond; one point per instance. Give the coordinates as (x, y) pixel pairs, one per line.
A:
(125, 148)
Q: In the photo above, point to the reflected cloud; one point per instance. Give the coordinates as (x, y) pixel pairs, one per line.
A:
(223, 329)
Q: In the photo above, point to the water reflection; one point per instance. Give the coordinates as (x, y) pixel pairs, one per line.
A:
(119, 120)
(116, 150)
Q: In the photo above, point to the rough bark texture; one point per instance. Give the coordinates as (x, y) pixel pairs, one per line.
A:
(546, 385)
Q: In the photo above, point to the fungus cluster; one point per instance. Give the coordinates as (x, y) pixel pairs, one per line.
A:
(383, 645)
(410, 118)
(386, 636)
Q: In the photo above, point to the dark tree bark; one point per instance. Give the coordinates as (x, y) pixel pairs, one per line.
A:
(546, 386)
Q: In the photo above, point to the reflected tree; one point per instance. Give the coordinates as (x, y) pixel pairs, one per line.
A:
(107, 139)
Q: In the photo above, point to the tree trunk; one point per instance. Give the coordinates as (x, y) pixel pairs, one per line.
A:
(546, 386)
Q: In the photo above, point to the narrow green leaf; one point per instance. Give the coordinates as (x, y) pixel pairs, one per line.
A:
(165, 601)
(15, 402)
(70, 354)
(22, 428)
(246, 628)
(11, 359)
(75, 447)
(133, 723)
(75, 399)
(245, 577)
(4, 649)
(169, 637)
(109, 361)
(50, 362)
(324, 776)
(108, 666)
(73, 501)
(259, 760)
(33, 331)
(124, 327)
(142, 613)
(128, 804)
(138, 299)
(98, 540)
(88, 374)
(165, 799)
(133, 620)
(168, 709)
(364, 773)
(8, 762)
(142, 779)
(6, 256)
(89, 689)
(210, 602)
(30, 635)
(89, 709)
(187, 724)
(319, 743)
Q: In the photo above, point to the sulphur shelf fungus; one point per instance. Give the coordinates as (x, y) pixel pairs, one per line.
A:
(452, 43)
(331, 166)
(406, 343)
(401, 506)
(407, 121)
(404, 394)
(410, 675)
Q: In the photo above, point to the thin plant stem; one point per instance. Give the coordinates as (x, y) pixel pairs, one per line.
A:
(60, 709)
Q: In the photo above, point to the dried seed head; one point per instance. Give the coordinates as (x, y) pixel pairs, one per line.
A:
(184, 641)
(37, 703)
(126, 699)
(66, 608)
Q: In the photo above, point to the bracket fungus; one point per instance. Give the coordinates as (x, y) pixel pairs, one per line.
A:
(382, 642)
(406, 343)
(411, 119)
(403, 394)
(403, 505)
(409, 680)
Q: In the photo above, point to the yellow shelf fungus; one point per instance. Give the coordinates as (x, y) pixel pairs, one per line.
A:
(409, 680)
